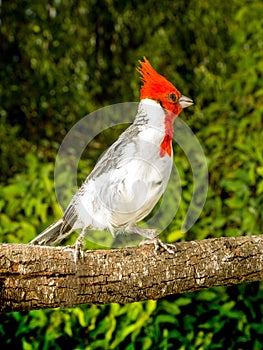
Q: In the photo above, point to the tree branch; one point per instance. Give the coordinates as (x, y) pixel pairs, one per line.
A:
(35, 277)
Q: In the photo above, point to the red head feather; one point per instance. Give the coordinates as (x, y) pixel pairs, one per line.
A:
(159, 89)
(156, 87)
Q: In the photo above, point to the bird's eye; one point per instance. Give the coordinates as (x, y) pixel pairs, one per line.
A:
(172, 97)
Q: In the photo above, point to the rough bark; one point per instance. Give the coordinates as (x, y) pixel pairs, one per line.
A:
(35, 277)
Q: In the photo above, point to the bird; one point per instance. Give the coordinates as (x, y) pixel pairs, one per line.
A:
(132, 174)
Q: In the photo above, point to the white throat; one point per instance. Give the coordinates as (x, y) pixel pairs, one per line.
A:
(152, 113)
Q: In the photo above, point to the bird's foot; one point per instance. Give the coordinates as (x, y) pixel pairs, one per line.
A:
(144, 232)
(170, 248)
(78, 250)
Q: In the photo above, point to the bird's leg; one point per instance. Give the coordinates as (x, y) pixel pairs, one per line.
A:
(78, 246)
(151, 237)
(144, 232)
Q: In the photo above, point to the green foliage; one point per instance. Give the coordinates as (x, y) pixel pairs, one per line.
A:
(209, 319)
(61, 60)
(27, 201)
(232, 139)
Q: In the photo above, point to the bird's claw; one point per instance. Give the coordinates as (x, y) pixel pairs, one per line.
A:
(78, 251)
(170, 248)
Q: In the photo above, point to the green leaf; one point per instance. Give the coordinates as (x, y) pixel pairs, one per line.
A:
(234, 203)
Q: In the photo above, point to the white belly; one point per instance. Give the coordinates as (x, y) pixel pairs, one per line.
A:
(126, 194)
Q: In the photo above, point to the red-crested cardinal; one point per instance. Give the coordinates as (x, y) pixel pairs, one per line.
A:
(131, 176)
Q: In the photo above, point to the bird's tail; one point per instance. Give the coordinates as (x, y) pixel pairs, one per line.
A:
(52, 234)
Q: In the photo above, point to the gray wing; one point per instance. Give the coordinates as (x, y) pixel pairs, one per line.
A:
(111, 157)
(70, 217)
